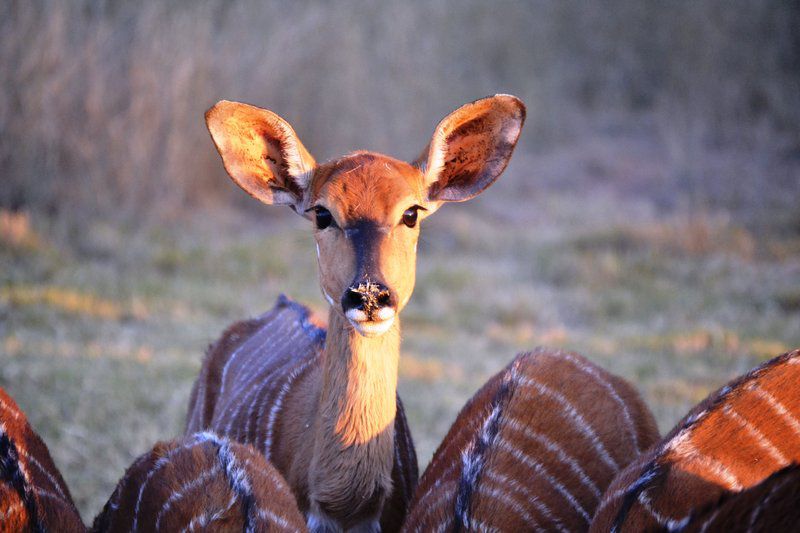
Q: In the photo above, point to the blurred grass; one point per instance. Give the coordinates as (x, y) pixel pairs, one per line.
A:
(101, 339)
(649, 219)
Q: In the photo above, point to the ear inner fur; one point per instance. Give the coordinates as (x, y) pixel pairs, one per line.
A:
(262, 153)
(472, 146)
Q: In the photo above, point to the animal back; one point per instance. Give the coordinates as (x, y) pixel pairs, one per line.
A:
(733, 440)
(33, 495)
(533, 449)
(203, 482)
(252, 369)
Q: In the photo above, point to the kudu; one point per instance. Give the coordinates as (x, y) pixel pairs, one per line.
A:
(201, 483)
(733, 440)
(326, 412)
(33, 495)
(533, 449)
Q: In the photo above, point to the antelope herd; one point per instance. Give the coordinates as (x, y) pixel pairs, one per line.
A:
(294, 426)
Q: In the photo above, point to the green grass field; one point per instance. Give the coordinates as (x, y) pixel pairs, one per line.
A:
(100, 341)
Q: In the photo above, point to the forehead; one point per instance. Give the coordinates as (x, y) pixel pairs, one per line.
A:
(367, 185)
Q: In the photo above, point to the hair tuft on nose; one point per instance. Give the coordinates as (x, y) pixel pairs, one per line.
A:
(367, 296)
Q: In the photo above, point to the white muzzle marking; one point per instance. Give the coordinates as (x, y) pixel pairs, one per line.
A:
(371, 328)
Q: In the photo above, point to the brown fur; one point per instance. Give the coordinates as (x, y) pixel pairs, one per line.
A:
(33, 495)
(231, 339)
(733, 440)
(524, 442)
(336, 472)
(179, 484)
(377, 189)
(770, 506)
(337, 436)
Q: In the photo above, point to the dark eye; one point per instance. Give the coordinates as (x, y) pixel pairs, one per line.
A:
(323, 217)
(410, 216)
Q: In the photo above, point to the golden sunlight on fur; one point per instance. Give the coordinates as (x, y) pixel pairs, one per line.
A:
(322, 405)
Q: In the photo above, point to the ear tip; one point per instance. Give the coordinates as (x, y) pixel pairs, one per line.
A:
(213, 112)
(219, 107)
(512, 101)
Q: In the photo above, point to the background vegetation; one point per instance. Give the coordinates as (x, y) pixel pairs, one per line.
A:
(649, 219)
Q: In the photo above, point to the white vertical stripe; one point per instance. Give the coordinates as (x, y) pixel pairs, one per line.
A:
(562, 455)
(589, 369)
(778, 407)
(236, 353)
(240, 397)
(540, 469)
(265, 359)
(528, 496)
(445, 453)
(164, 460)
(710, 520)
(684, 449)
(15, 413)
(670, 523)
(277, 405)
(756, 434)
(207, 517)
(444, 495)
(581, 423)
(13, 508)
(31, 459)
(755, 515)
(181, 492)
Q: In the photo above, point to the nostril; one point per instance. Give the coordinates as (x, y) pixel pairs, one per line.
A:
(384, 299)
(352, 299)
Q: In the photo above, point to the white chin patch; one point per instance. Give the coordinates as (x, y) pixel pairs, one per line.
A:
(371, 328)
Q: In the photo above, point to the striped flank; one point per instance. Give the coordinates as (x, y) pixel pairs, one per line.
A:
(33, 495)
(772, 505)
(732, 441)
(203, 482)
(533, 449)
(257, 369)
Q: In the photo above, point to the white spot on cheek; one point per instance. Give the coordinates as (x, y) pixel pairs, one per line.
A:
(327, 297)
(317, 251)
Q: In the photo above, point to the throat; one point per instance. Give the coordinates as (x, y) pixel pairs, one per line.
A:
(351, 466)
(359, 389)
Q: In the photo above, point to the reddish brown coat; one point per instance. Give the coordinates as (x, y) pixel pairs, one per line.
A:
(260, 376)
(329, 418)
(733, 440)
(772, 505)
(33, 495)
(203, 482)
(533, 449)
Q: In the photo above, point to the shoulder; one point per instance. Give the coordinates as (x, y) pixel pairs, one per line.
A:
(287, 318)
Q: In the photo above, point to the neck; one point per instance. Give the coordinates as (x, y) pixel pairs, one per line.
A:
(354, 426)
(359, 381)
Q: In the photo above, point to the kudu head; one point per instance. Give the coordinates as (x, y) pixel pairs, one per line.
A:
(366, 207)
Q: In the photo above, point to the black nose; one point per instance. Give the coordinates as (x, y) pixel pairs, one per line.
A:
(367, 296)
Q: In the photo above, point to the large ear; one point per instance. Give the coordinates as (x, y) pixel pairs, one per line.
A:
(262, 153)
(471, 147)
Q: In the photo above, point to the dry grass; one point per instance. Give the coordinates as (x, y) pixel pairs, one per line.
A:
(100, 347)
(649, 221)
(101, 99)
